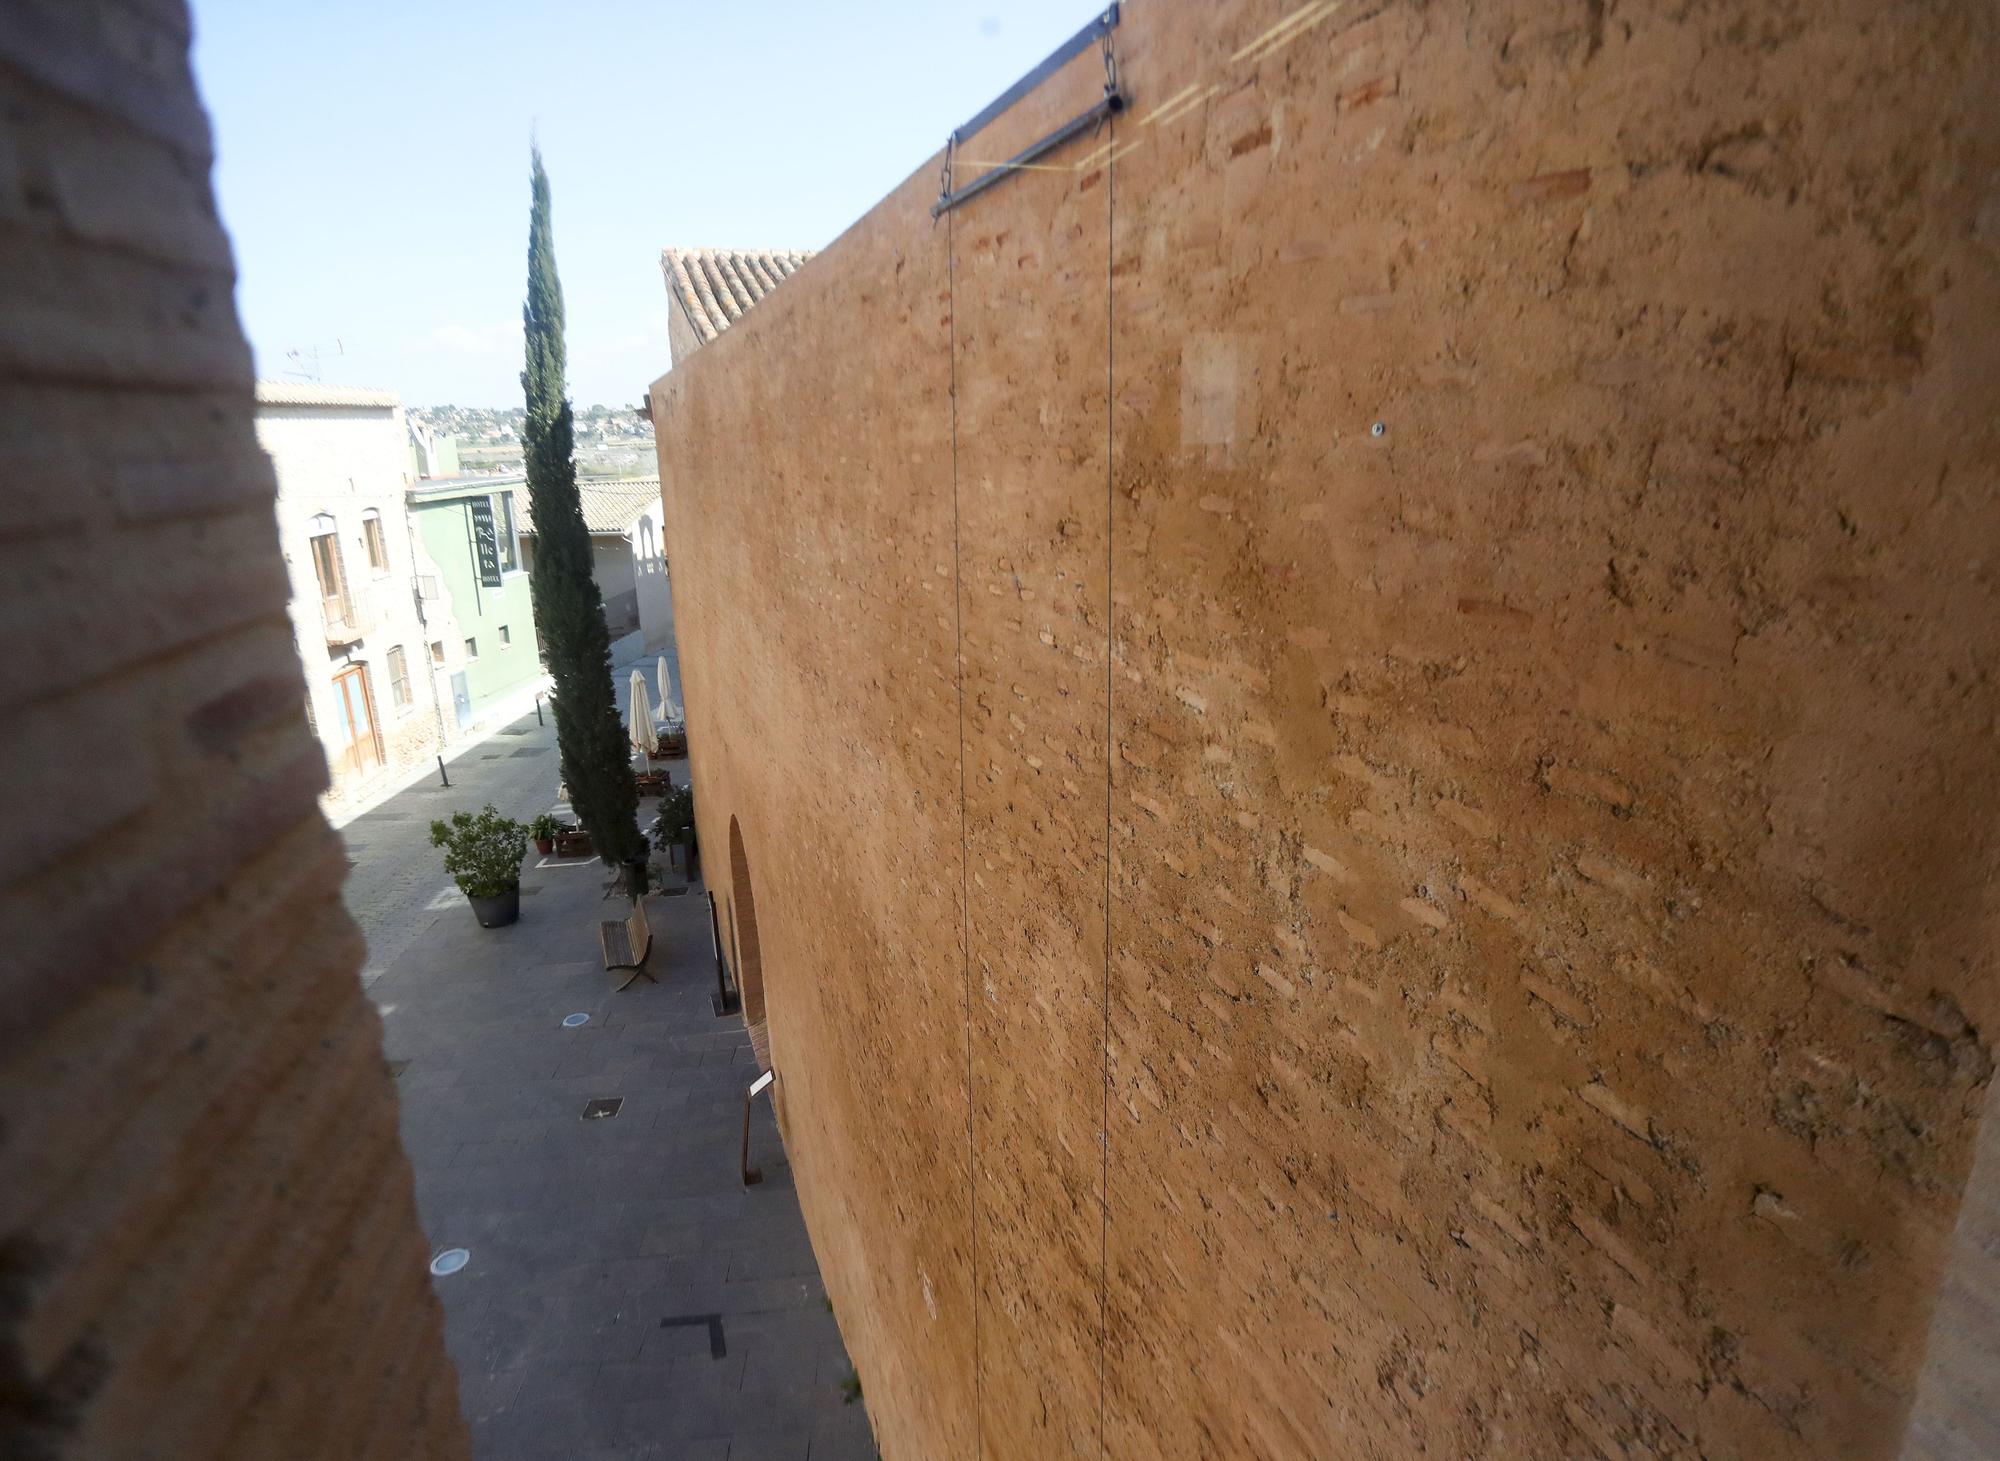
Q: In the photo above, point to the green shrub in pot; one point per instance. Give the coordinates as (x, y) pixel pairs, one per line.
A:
(483, 852)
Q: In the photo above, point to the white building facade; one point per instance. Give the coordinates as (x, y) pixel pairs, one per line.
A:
(367, 602)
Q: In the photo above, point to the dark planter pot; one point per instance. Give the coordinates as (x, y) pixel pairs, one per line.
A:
(545, 845)
(637, 877)
(573, 844)
(497, 912)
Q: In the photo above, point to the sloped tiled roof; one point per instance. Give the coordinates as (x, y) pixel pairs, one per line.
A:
(611, 504)
(717, 286)
(313, 393)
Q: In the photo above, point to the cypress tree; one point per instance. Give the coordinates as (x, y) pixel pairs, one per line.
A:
(569, 610)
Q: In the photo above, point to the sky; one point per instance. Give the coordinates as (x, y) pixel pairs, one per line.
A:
(372, 161)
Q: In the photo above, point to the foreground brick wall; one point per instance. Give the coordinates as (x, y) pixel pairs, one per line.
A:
(1283, 938)
(210, 1244)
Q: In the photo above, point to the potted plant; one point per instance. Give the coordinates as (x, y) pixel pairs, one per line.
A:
(543, 829)
(572, 842)
(674, 827)
(483, 852)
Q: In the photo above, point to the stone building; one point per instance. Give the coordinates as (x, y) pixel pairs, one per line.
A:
(623, 557)
(651, 583)
(1353, 722)
(358, 575)
(431, 454)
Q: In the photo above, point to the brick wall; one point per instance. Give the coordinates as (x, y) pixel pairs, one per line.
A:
(1363, 735)
(210, 1244)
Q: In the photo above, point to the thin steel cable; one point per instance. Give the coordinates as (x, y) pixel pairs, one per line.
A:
(964, 836)
(1110, 645)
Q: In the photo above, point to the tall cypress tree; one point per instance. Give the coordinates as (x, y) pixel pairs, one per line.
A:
(569, 610)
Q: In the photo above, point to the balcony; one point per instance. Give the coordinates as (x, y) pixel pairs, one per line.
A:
(350, 616)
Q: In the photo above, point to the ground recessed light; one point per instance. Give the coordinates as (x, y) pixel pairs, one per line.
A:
(450, 1261)
(603, 1107)
(570, 1022)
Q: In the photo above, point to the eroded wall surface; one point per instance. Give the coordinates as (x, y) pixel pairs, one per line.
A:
(208, 1240)
(1363, 728)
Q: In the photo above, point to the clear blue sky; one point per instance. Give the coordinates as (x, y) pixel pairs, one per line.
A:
(373, 159)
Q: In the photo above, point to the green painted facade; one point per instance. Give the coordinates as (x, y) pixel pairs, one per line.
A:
(443, 517)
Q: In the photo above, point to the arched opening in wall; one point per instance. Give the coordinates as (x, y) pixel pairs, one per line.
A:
(743, 934)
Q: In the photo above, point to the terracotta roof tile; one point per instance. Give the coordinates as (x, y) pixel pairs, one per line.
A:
(612, 504)
(717, 287)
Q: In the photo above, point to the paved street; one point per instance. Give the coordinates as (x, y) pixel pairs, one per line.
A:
(396, 885)
(599, 1249)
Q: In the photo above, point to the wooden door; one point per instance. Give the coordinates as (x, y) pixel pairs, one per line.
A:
(363, 749)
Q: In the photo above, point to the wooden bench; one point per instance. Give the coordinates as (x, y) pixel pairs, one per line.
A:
(627, 942)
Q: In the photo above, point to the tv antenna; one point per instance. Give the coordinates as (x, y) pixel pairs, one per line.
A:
(306, 359)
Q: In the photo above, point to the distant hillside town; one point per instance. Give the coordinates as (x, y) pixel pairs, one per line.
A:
(611, 441)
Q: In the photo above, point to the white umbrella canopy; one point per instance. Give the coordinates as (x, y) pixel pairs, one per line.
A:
(641, 720)
(669, 709)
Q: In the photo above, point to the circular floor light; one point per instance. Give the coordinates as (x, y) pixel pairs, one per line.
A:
(570, 1022)
(450, 1261)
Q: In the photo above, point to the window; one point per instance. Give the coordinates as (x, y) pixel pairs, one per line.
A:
(399, 678)
(510, 537)
(506, 635)
(437, 651)
(326, 558)
(378, 545)
(472, 649)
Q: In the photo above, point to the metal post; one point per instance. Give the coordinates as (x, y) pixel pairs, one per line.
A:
(751, 1176)
(724, 1001)
(443, 775)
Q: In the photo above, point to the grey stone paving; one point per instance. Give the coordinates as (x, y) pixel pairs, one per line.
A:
(586, 1235)
(396, 887)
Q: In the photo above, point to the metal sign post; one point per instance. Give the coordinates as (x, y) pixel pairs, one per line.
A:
(751, 1176)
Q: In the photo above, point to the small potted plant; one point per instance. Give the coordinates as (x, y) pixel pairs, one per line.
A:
(543, 829)
(674, 827)
(483, 852)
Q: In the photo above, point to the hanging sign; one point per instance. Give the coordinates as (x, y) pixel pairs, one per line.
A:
(486, 541)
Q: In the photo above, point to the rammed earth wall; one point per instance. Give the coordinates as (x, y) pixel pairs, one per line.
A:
(1361, 714)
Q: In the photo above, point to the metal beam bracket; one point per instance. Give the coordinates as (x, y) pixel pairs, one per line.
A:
(1098, 32)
